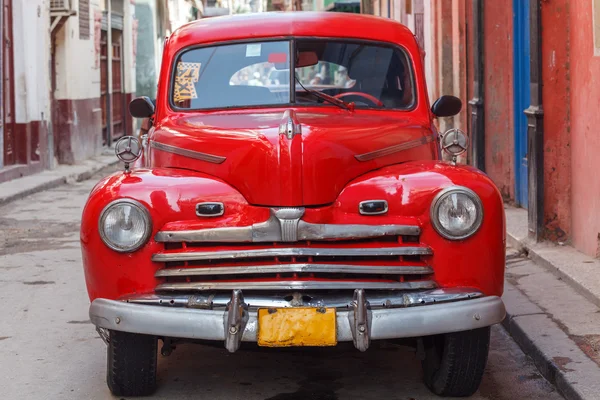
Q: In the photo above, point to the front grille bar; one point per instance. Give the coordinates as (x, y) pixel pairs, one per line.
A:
(295, 229)
(294, 285)
(298, 267)
(291, 252)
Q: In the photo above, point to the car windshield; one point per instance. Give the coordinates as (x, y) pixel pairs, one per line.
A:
(258, 74)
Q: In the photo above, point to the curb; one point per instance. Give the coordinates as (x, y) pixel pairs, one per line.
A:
(544, 364)
(579, 280)
(22, 187)
(560, 361)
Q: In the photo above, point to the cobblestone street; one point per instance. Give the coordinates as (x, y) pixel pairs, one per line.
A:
(51, 351)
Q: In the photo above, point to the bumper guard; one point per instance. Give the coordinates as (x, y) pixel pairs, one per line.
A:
(358, 323)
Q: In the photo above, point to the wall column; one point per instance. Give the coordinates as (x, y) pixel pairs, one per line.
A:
(477, 109)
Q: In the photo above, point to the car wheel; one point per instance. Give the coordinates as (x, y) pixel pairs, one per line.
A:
(454, 362)
(131, 369)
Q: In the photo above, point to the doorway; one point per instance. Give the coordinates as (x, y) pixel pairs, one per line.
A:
(7, 122)
(522, 97)
(115, 124)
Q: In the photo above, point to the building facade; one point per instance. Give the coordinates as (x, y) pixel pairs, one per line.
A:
(70, 68)
(57, 106)
(25, 120)
(526, 71)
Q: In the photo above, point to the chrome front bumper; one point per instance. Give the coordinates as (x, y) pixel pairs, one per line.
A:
(358, 323)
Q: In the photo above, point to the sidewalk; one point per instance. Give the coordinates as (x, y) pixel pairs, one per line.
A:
(18, 188)
(552, 296)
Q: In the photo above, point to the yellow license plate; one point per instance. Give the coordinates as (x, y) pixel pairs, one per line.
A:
(287, 327)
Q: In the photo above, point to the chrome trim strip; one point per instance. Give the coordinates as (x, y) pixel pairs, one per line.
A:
(386, 151)
(309, 231)
(187, 153)
(299, 267)
(376, 299)
(271, 231)
(295, 285)
(388, 323)
(289, 252)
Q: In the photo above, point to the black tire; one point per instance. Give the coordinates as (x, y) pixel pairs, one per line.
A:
(131, 369)
(455, 362)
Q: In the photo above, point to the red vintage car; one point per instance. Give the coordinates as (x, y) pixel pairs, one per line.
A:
(304, 214)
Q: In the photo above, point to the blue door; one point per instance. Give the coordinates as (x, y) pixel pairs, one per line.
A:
(522, 93)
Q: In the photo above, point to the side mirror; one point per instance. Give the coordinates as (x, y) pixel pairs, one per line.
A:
(446, 106)
(141, 107)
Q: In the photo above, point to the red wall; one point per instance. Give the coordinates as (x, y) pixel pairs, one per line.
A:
(499, 141)
(470, 61)
(585, 133)
(556, 73)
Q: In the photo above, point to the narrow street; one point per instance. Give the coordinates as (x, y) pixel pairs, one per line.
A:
(51, 351)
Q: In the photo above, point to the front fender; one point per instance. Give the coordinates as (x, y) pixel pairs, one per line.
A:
(169, 195)
(410, 188)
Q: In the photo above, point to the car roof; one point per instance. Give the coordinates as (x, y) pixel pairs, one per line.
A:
(293, 23)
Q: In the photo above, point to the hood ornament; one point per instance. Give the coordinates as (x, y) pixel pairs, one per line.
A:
(288, 127)
(289, 218)
(128, 149)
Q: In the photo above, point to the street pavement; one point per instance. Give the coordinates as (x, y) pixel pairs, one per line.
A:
(50, 350)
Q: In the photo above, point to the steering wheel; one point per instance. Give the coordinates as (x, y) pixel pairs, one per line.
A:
(366, 96)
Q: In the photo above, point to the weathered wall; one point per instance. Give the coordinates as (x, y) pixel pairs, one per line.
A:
(148, 48)
(470, 50)
(77, 116)
(556, 75)
(459, 60)
(429, 60)
(32, 80)
(585, 139)
(498, 103)
(448, 60)
(130, 33)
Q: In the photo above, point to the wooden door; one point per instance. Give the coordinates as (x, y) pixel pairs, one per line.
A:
(104, 85)
(118, 91)
(8, 90)
(117, 120)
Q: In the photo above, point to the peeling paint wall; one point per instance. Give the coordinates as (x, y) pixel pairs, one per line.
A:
(556, 75)
(498, 101)
(583, 123)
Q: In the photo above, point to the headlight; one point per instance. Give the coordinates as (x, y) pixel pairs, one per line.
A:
(124, 225)
(456, 213)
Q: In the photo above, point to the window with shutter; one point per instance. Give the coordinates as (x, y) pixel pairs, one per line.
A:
(84, 19)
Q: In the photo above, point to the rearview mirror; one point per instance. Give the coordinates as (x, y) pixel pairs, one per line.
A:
(446, 106)
(307, 58)
(141, 107)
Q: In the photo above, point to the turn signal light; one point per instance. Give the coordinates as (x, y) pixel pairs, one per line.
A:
(373, 207)
(210, 209)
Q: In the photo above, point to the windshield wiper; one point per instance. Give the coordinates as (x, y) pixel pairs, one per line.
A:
(328, 98)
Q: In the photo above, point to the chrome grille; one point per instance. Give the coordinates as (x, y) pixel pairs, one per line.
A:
(291, 252)
(277, 255)
(296, 268)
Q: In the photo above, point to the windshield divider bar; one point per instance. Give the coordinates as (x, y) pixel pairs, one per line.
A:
(292, 71)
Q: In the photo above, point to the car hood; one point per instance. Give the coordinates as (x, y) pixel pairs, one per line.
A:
(290, 157)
